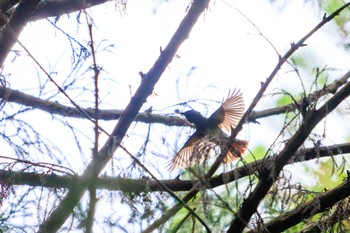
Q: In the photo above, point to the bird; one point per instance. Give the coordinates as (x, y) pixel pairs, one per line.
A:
(211, 133)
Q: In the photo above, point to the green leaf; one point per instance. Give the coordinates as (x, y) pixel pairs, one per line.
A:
(284, 100)
(332, 5)
(257, 153)
(299, 61)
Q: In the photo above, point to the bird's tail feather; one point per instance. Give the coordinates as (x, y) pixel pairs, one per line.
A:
(236, 150)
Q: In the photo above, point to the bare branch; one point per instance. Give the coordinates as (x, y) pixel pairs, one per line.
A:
(319, 204)
(54, 8)
(269, 174)
(239, 126)
(54, 107)
(11, 31)
(149, 185)
(61, 213)
(331, 88)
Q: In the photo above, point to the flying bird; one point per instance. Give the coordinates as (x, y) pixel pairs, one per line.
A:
(211, 133)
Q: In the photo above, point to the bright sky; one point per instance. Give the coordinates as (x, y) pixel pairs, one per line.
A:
(224, 52)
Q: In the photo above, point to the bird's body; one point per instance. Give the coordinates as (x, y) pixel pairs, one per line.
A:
(212, 132)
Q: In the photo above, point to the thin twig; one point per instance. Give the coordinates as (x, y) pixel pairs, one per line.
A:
(59, 215)
(268, 176)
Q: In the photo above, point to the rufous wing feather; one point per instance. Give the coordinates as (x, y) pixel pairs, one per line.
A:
(236, 150)
(195, 150)
(229, 113)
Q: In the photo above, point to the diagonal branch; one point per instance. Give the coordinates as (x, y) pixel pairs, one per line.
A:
(333, 221)
(167, 215)
(11, 31)
(65, 208)
(331, 88)
(270, 174)
(319, 204)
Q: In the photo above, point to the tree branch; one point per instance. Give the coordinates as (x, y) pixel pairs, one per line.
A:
(269, 174)
(165, 217)
(148, 185)
(331, 88)
(333, 221)
(11, 31)
(65, 208)
(53, 107)
(319, 204)
(54, 8)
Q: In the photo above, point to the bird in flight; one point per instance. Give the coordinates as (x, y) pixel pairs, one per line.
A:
(211, 133)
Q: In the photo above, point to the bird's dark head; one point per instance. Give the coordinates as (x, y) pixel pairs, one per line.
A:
(193, 116)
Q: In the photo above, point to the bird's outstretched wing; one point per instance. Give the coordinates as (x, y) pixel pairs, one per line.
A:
(194, 151)
(199, 144)
(229, 113)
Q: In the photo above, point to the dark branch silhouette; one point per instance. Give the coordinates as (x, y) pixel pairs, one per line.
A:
(65, 208)
(9, 34)
(54, 8)
(51, 8)
(149, 185)
(239, 223)
(322, 202)
(16, 14)
(269, 175)
(54, 107)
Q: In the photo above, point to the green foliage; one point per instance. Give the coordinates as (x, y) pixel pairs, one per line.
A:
(322, 75)
(179, 220)
(322, 80)
(327, 176)
(296, 228)
(331, 5)
(258, 152)
(283, 100)
(206, 206)
(214, 206)
(299, 61)
(4, 228)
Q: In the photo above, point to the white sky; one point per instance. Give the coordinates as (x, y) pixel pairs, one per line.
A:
(224, 48)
